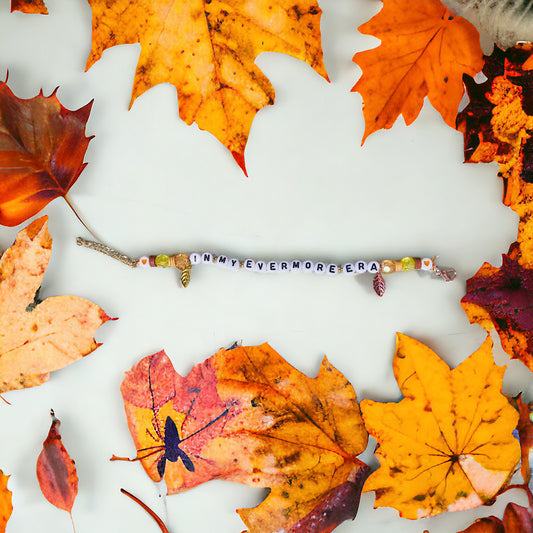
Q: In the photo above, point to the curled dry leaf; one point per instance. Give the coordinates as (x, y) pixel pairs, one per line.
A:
(56, 471)
(525, 436)
(426, 58)
(29, 6)
(42, 146)
(497, 125)
(6, 507)
(37, 339)
(448, 444)
(246, 415)
(207, 50)
(501, 298)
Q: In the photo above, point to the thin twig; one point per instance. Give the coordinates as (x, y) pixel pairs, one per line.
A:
(107, 250)
(147, 509)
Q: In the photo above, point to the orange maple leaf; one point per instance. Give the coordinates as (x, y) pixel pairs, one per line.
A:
(207, 50)
(423, 52)
(42, 146)
(6, 507)
(29, 6)
(246, 415)
(448, 445)
(37, 339)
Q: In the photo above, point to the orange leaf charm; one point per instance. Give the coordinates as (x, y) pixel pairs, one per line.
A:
(42, 146)
(55, 332)
(29, 6)
(246, 415)
(6, 507)
(56, 471)
(448, 445)
(423, 52)
(207, 50)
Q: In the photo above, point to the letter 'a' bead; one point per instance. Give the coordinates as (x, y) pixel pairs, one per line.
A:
(195, 258)
(373, 267)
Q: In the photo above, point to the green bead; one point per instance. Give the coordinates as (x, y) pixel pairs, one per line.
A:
(408, 263)
(161, 260)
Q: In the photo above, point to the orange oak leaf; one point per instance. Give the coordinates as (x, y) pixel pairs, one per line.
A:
(448, 444)
(246, 415)
(42, 146)
(56, 471)
(207, 50)
(423, 52)
(37, 339)
(497, 125)
(6, 507)
(29, 6)
(501, 298)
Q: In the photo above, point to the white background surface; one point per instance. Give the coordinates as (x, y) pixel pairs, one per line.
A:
(155, 185)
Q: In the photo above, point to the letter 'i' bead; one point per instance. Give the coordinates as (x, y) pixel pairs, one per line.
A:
(195, 258)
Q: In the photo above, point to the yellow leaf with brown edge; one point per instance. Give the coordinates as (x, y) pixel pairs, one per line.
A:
(207, 50)
(6, 507)
(36, 340)
(246, 415)
(448, 444)
(423, 52)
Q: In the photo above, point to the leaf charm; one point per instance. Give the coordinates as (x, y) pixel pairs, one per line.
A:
(379, 284)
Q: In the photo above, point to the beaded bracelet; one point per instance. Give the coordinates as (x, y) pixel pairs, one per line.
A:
(185, 262)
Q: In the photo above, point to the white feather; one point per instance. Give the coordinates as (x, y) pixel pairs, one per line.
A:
(505, 22)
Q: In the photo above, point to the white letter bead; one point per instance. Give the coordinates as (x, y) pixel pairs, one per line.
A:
(427, 263)
(348, 268)
(195, 258)
(284, 266)
(360, 267)
(249, 264)
(222, 260)
(320, 268)
(144, 261)
(373, 267)
(233, 263)
(272, 266)
(260, 266)
(296, 265)
(207, 257)
(332, 269)
(308, 266)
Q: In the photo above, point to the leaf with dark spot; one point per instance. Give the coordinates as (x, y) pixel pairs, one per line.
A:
(245, 415)
(502, 298)
(29, 6)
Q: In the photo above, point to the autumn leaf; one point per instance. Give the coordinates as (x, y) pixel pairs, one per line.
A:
(29, 6)
(56, 471)
(448, 444)
(6, 507)
(423, 52)
(501, 298)
(37, 339)
(496, 126)
(42, 146)
(525, 436)
(207, 50)
(246, 415)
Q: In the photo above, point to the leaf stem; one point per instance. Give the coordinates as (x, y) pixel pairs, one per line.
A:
(84, 224)
(147, 509)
